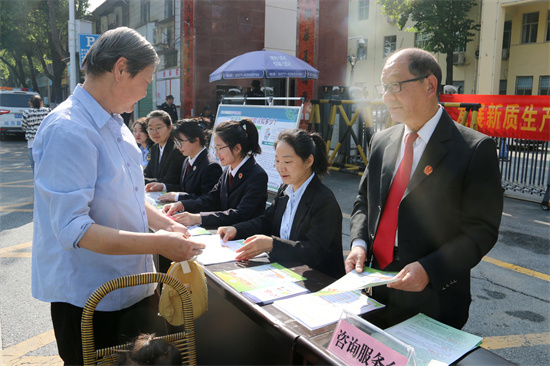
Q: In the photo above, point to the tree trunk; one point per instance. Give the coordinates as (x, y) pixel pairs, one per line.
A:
(32, 71)
(449, 78)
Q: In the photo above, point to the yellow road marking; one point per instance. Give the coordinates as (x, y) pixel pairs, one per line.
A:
(518, 269)
(346, 216)
(36, 361)
(514, 341)
(16, 255)
(542, 222)
(11, 354)
(505, 214)
(12, 208)
(19, 181)
(15, 247)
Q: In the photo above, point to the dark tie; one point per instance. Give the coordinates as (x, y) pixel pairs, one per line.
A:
(230, 180)
(188, 167)
(384, 241)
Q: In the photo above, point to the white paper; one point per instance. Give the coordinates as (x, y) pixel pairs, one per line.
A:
(355, 281)
(435, 343)
(319, 309)
(217, 251)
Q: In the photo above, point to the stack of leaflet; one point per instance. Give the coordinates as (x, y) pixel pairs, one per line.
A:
(325, 307)
(264, 284)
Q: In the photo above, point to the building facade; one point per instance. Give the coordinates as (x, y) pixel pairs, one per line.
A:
(510, 54)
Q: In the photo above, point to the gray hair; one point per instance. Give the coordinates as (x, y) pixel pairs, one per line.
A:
(117, 43)
(421, 63)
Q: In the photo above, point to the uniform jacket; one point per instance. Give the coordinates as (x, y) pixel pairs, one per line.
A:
(224, 206)
(200, 178)
(169, 169)
(316, 233)
(448, 218)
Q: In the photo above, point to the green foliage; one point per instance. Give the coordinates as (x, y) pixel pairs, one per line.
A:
(445, 22)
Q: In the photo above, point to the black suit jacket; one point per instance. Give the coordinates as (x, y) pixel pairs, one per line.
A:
(316, 233)
(448, 218)
(168, 171)
(200, 179)
(224, 206)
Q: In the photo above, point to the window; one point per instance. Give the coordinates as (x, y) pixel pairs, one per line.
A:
(390, 44)
(530, 25)
(362, 49)
(145, 11)
(548, 27)
(544, 85)
(502, 87)
(363, 10)
(507, 35)
(421, 40)
(168, 8)
(524, 85)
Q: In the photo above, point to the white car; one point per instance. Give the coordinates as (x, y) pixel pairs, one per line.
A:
(13, 102)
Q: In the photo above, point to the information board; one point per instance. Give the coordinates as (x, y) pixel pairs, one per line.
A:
(270, 121)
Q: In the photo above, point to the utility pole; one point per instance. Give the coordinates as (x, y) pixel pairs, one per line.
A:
(73, 67)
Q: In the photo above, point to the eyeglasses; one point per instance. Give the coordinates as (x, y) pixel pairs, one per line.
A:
(178, 142)
(151, 130)
(394, 87)
(217, 149)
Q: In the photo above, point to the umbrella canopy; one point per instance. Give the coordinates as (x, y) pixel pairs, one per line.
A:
(260, 64)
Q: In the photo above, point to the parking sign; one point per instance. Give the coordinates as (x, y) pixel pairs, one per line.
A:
(85, 42)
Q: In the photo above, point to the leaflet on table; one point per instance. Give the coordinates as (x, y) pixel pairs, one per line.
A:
(152, 198)
(355, 281)
(217, 251)
(197, 230)
(253, 278)
(321, 308)
(435, 343)
(267, 295)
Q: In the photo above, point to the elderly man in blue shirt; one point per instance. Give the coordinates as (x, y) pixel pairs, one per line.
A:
(91, 220)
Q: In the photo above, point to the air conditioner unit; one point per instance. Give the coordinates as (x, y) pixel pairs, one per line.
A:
(505, 53)
(458, 58)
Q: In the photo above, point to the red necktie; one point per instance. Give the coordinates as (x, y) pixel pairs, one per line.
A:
(384, 242)
(230, 179)
(188, 167)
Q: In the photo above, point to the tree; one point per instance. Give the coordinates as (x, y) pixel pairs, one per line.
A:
(444, 22)
(34, 39)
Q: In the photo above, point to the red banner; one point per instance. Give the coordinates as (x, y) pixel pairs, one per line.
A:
(187, 58)
(306, 45)
(518, 116)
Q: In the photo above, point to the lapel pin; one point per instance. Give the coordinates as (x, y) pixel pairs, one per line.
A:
(194, 167)
(240, 175)
(428, 170)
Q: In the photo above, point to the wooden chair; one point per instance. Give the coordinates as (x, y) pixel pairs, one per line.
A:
(184, 341)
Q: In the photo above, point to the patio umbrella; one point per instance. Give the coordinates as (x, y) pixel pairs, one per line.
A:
(264, 64)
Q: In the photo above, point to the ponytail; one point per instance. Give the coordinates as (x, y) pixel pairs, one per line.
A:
(306, 144)
(243, 132)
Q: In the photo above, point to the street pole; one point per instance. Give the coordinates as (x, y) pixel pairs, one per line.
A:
(72, 48)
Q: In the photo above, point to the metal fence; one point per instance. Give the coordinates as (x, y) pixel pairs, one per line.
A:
(524, 164)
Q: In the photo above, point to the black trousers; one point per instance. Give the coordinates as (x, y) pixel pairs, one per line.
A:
(110, 327)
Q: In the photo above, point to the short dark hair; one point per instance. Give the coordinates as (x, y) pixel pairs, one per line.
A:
(305, 144)
(116, 43)
(191, 129)
(256, 83)
(169, 97)
(36, 101)
(243, 132)
(162, 115)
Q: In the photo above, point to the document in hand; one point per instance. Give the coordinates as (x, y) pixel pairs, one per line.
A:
(434, 343)
(217, 251)
(323, 308)
(355, 281)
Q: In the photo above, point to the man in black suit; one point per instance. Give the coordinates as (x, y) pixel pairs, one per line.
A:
(449, 214)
